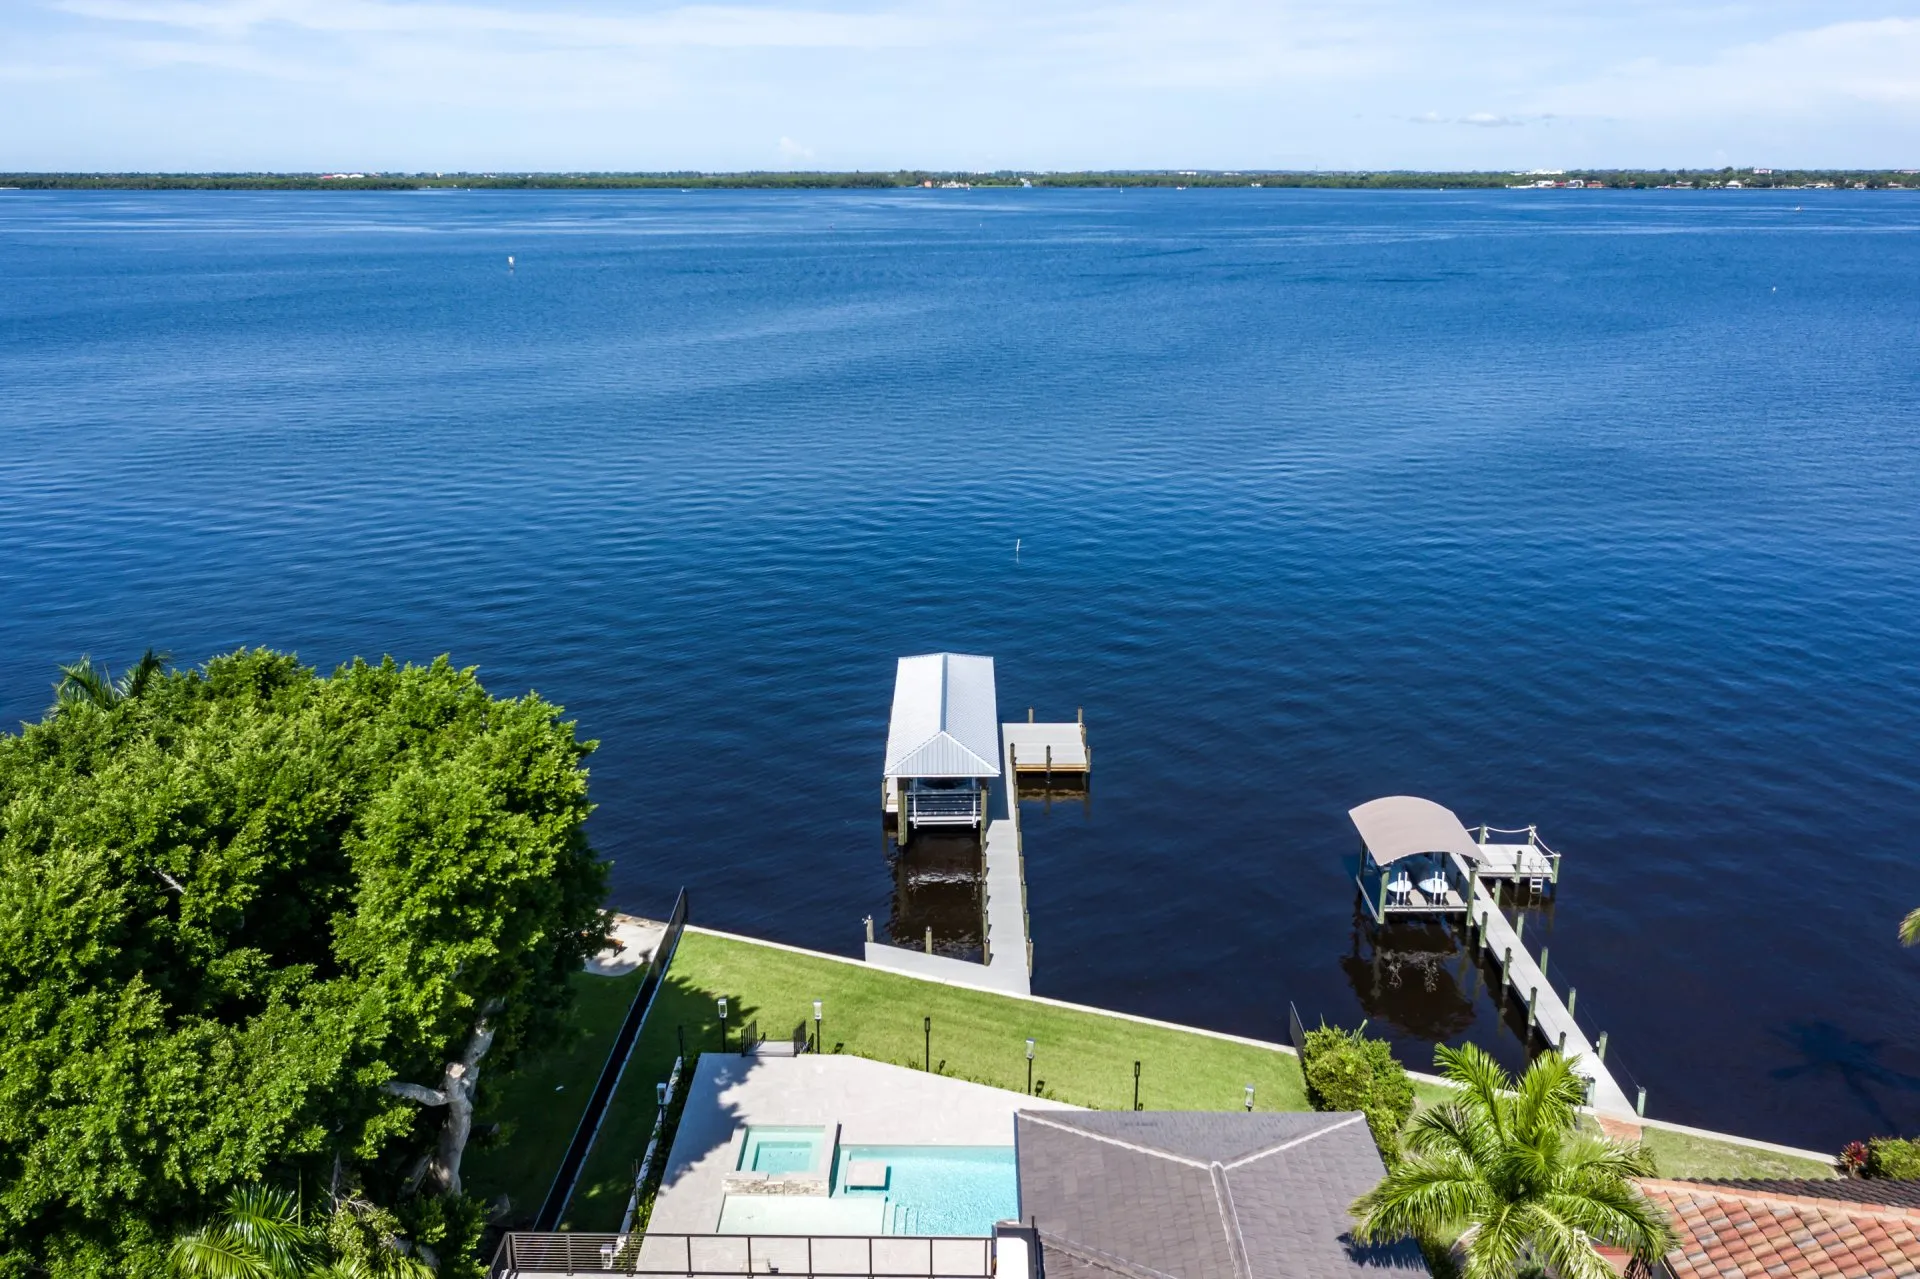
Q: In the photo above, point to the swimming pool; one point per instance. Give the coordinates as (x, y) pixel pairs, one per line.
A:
(936, 1190)
(780, 1150)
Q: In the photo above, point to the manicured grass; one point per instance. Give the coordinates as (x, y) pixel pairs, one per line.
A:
(1679, 1154)
(539, 1104)
(1084, 1058)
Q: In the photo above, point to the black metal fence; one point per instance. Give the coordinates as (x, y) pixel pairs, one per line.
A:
(554, 1210)
(525, 1255)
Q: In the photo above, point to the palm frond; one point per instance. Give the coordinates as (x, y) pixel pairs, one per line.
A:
(1619, 1215)
(1910, 928)
(1564, 1246)
(83, 683)
(215, 1253)
(134, 680)
(1482, 1079)
(268, 1222)
(1546, 1096)
(1495, 1245)
(1427, 1195)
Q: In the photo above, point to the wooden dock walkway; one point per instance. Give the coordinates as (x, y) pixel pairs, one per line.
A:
(1490, 930)
(1047, 748)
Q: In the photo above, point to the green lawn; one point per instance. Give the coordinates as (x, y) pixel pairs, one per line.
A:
(1085, 1058)
(538, 1105)
(1679, 1154)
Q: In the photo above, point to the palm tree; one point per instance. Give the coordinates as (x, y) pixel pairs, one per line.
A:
(1506, 1169)
(264, 1235)
(83, 683)
(260, 1236)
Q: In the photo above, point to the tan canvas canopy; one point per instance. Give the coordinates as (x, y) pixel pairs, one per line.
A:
(1407, 826)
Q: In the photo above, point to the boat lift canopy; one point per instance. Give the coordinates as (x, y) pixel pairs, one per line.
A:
(946, 718)
(1400, 826)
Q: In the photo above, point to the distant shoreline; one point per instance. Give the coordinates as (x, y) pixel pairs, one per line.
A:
(1635, 179)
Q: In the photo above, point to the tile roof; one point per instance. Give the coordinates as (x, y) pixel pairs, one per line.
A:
(1740, 1232)
(1199, 1195)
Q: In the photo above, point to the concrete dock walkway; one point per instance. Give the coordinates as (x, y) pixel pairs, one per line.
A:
(1009, 954)
(1556, 1025)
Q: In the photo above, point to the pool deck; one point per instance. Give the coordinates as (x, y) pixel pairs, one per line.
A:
(871, 1102)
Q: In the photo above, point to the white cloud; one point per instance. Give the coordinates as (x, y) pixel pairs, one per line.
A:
(791, 150)
(1874, 64)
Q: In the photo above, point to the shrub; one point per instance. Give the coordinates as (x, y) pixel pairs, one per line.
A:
(1893, 1157)
(1345, 1070)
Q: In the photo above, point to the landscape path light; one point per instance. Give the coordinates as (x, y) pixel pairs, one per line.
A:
(1249, 1098)
(1029, 1068)
(819, 1044)
(926, 1062)
(723, 1023)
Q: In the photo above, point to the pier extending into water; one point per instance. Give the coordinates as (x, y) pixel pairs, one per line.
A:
(1424, 862)
(945, 751)
(1006, 936)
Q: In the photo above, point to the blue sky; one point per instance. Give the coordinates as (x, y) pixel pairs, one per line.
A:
(1042, 84)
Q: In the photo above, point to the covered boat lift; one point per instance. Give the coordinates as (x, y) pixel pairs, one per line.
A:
(1419, 859)
(943, 743)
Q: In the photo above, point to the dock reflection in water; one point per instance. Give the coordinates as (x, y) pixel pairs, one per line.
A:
(937, 884)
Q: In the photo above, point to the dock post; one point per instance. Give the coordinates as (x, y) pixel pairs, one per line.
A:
(1533, 1003)
(1380, 903)
(1544, 952)
(1049, 763)
(1573, 998)
(1519, 924)
(869, 928)
(1640, 1106)
(1600, 1049)
(1506, 967)
(929, 939)
(1562, 1049)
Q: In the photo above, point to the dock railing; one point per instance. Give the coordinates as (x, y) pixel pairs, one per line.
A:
(524, 1255)
(1533, 840)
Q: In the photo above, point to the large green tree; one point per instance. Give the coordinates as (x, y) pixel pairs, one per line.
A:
(260, 926)
(1506, 1169)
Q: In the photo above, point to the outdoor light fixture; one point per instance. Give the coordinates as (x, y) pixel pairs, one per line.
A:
(927, 1061)
(660, 1094)
(1029, 1068)
(723, 1023)
(1136, 1085)
(819, 1044)
(1249, 1098)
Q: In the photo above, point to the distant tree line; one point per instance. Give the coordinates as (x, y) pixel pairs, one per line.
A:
(1357, 180)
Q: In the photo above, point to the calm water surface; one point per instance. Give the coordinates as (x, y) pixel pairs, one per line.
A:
(1594, 510)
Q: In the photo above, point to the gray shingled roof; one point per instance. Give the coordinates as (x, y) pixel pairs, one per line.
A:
(1201, 1195)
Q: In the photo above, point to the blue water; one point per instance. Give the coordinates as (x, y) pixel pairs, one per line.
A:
(780, 1150)
(940, 1190)
(1598, 510)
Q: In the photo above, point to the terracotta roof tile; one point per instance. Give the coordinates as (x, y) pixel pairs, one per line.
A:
(1750, 1231)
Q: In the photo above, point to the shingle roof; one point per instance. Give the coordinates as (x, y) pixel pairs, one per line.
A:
(1200, 1195)
(1734, 1232)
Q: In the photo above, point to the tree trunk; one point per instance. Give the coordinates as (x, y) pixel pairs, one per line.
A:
(455, 1092)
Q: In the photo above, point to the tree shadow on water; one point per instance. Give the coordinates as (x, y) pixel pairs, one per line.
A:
(1825, 1050)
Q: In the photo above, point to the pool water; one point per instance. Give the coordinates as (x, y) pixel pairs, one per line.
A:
(938, 1190)
(778, 1150)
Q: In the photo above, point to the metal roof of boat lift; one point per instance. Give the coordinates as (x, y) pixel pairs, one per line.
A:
(946, 718)
(1407, 826)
